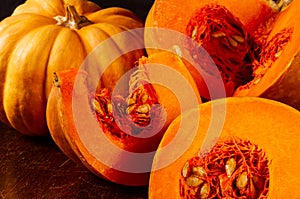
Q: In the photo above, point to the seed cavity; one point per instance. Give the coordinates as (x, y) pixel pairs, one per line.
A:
(233, 168)
(139, 100)
(123, 116)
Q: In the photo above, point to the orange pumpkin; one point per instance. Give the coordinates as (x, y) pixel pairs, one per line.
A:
(46, 36)
(237, 147)
(254, 46)
(103, 129)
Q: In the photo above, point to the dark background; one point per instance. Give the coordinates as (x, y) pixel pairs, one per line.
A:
(34, 167)
(140, 7)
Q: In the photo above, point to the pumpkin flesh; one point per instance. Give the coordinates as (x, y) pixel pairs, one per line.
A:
(251, 133)
(127, 119)
(252, 48)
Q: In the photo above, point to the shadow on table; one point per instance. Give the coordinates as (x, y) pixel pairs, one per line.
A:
(34, 167)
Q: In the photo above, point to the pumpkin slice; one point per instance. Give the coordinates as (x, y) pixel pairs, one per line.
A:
(229, 148)
(253, 45)
(45, 36)
(115, 133)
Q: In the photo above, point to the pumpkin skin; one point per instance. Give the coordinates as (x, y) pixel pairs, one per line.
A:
(271, 125)
(61, 108)
(279, 79)
(33, 47)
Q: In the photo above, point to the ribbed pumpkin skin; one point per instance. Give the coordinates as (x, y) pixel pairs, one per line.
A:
(32, 47)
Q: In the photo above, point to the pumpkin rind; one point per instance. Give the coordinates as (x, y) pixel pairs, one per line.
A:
(33, 47)
(65, 132)
(271, 125)
(280, 80)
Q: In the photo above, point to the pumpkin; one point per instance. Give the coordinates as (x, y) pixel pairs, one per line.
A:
(115, 133)
(46, 36)
(236, 147)
(254, 46)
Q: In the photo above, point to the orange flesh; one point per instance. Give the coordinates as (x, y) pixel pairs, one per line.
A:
(226, 41)
(220, 172)
(241, 58)
(267, 34)
(273, 133)
(127, 120)
(72, 91)
(119, 104)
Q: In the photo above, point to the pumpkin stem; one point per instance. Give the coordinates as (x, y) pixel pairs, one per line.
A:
(72, 19)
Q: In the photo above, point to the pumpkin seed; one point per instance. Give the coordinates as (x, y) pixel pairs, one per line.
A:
(230, 167)
(143, 115)
(109, 108)
(144, 98)
(218, 34)
(193, 181)
(134, 95)
(199, 171)
(130, 109)
(242, 180)
(185, 169)
(204, 191)
(144, 108)
(130, 101)
(278, 54)
(97, 107)
(232, 42)
(256, 81)
(238, 38)
(194, 32)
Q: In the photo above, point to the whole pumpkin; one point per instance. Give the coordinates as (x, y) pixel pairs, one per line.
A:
(254, 45)
(46, 36)
(240, 147)
(88, 126)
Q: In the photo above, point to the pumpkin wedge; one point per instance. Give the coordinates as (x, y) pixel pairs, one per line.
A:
(45, 36)
(240, 147)
(254, 45)
(115, 133)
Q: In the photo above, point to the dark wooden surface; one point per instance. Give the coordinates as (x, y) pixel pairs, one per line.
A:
(34, 167)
